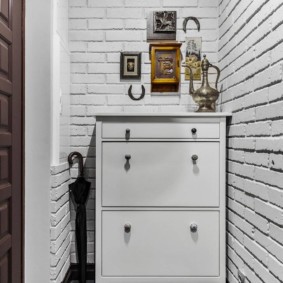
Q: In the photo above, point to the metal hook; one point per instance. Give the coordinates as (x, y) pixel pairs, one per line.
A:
(80, 159)
(193, 19)
(134, 98)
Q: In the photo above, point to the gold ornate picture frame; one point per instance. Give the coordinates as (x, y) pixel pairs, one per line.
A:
(165, 67)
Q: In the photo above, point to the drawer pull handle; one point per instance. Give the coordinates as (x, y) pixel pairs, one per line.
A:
(194, 131)
(194, 157)
(127, 164)
(128, 134)
(128, 157)
(194, 227)
(127, 228)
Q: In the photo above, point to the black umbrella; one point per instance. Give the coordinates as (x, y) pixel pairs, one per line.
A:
(79, 192)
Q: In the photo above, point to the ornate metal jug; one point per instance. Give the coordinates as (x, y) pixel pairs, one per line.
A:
(205, 96)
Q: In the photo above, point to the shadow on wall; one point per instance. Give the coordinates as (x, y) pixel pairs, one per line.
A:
(227, 193)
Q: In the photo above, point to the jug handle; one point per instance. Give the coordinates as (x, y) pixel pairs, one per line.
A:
(218, 74)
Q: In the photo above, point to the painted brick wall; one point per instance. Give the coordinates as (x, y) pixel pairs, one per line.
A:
(60, 228)
(99, 31)
(251, 60)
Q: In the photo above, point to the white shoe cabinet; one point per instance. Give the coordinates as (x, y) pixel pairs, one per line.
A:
(160, 198)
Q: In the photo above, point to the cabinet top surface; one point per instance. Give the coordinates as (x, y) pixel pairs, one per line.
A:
(172, 114)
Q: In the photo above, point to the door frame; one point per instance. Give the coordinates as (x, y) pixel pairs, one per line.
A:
(18, 17)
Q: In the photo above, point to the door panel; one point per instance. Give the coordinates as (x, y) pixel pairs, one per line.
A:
(4, 111)
(152, 178)
(11, 99)
(160, 243)
(4, 165)
(4, 264)
(4, 9)
(4, 219)
(4, 57)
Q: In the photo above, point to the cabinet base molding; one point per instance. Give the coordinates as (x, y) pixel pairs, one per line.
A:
(73, 273)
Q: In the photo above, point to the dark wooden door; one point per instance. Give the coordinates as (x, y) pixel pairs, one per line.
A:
(11, 125)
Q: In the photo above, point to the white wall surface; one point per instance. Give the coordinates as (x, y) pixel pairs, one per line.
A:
(99, 31)
(47, 100)
(60, 82)
(60, 241)
(37, 140)
(251, 61)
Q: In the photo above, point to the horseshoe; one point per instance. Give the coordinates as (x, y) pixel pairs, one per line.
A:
(193, 19)
(138, 98)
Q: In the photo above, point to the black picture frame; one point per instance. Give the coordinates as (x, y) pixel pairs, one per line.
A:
(130, 66)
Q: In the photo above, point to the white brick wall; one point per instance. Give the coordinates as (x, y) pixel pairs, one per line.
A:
(251, 60)
(60, 228)
(99, 31)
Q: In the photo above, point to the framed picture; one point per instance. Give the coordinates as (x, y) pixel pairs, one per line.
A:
(161, 25)
(165, 67)
(130, 65)
(193, 57)
(164, 21)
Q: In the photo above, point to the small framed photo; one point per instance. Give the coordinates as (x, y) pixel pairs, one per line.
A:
(130, 65)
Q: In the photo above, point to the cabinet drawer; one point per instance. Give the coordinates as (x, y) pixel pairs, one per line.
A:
(160, 243)
(160, 174)
(160, 130)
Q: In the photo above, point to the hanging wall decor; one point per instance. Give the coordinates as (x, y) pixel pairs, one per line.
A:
(130, 65)
(138, 97)
(161, 25)
(165, 66)
(190, 19)
(164, 21)
(193, 57)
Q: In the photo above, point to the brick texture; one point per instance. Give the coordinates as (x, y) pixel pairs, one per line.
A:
(99, 31)
(60, 219)
(251, 60)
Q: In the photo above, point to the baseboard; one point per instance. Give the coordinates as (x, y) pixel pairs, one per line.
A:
(73, 273)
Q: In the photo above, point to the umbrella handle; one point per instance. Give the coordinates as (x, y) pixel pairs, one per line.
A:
(80, 158)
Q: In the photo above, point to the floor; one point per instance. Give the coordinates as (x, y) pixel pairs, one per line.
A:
(88, 281)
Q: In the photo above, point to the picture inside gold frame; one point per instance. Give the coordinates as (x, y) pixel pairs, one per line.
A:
(165, 67)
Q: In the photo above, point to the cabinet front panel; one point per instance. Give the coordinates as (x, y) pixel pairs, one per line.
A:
(160, 174)
(161, 130)
(160, 243)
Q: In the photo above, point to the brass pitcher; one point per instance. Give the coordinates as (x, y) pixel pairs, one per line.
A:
(205, 96)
